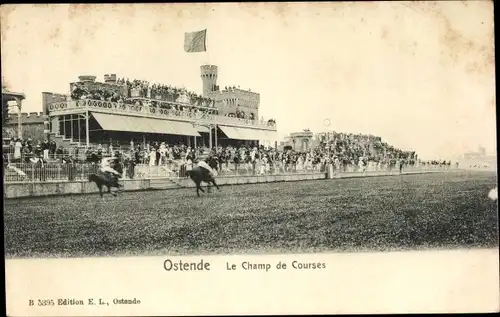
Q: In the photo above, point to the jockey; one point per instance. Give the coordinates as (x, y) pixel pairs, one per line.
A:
(202, 162)
(106, 166)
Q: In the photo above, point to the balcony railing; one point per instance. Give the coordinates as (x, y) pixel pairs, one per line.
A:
(203, 117)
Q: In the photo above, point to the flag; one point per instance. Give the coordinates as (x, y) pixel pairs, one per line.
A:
(195, 42)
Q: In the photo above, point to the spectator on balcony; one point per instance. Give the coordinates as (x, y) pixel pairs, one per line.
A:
(137, 156)
(52, 148)
(158, 155)
(99, 154)
(17, 149)
(163, 153)
(29, 144)
(152, 157)
(37, 151)
(45, 149)
(26, 154)
(59, 152)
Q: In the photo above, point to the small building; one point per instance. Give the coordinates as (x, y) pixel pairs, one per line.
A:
(17, 97)
(299, 141)
(32, 126)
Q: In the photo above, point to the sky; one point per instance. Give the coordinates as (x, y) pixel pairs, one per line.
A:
(419, 75)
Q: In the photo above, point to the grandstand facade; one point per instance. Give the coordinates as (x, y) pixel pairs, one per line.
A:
(123, 111)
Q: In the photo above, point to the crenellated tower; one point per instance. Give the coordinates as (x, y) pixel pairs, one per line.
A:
(209, 78)
(110, 78)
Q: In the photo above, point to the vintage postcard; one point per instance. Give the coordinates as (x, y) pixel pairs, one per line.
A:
(249, 158)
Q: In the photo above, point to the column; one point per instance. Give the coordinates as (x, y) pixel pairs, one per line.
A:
(215, 135)
(46, 127)
(54, 125)
(71, 125)
(210, 137)
(64, 126)
(19, 122)
(79, 129)
(87, 136)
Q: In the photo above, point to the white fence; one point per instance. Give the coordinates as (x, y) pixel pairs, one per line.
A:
(28, 172)
(51, 172)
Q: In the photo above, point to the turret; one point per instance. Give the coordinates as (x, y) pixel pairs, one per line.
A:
(110, 78)
(85, 78)
(209, 78)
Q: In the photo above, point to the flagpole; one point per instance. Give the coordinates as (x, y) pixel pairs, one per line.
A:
(206, 49)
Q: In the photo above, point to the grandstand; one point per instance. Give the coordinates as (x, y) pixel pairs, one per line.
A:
(122, 110)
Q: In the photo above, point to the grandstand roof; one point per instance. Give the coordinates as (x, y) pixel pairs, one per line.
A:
(10, 95)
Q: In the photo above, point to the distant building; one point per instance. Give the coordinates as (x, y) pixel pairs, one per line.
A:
(479, 159)
(32, 126)
(472, 155)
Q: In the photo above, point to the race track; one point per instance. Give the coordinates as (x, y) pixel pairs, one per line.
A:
(443, 210)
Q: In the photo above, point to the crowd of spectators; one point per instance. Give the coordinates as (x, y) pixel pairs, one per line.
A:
(165, 107)
(156, 96)
(345, 149)
(346, 152)
(142, 89)
(160, 92)
(354, 150)
(26, 151)
(355, 147)
(79, 92)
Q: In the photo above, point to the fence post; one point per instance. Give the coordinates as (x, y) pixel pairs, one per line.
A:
(32, 173)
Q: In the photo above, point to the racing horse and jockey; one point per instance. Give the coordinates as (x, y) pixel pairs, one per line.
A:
(109, 173)
(204, 171)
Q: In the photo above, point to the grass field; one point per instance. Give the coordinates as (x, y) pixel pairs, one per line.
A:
(443, 210)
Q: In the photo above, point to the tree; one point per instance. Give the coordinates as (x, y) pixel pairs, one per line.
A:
(5, 111)
(5, 103)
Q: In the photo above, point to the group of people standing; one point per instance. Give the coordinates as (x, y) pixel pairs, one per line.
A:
(21, 150)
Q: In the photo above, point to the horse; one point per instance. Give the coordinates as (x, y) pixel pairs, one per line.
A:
(199, 174)
(104, 179)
